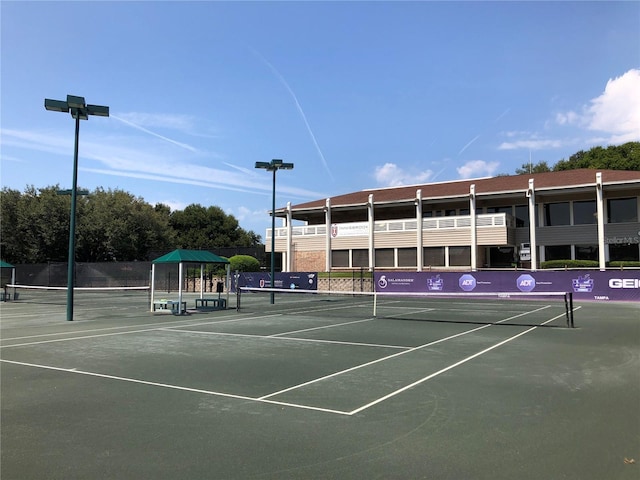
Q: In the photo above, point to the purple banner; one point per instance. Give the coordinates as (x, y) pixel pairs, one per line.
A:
(585, 284)
(290, 280)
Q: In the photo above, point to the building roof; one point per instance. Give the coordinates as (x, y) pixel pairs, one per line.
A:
(190, 256)
(566, 179)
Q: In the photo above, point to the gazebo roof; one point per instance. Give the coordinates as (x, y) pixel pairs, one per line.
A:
(190, 256)
(4, 264)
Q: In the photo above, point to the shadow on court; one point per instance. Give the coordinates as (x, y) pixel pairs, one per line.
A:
(273, 393)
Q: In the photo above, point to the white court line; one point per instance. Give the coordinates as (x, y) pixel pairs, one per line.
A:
(322, 327)
(388, 357)
(297, 339)
(173, 387)
(452, 366)
(81, 337)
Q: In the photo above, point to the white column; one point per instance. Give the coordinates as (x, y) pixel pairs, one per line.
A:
(180, 288)
(201, 280)
(371, 234)
(327, 220)
(474, 235)
(289, 263)
(600, 212)
(153, 285)
(419, 244)
(531, 194)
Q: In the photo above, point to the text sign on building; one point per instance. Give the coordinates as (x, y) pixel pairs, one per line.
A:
(356, 229)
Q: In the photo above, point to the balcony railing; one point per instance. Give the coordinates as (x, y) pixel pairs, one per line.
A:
(488, 220)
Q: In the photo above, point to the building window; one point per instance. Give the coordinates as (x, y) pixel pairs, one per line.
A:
(586, 252)
(522, 215)
(556, 214)
(433, 256)
(557, 252)
(584, 212)
(505, 209)
(622, 210)
(340, 258)
(629, 252)
(464, 212)
(407, 257)
(501, 257)
(384, 257)
(360, 258)
(459, 256)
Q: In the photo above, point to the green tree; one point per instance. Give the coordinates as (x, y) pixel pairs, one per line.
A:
(614, 157)
(199, 227)
(539, 167)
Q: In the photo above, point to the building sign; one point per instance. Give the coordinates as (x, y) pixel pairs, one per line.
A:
(356, 229)
(585, 285)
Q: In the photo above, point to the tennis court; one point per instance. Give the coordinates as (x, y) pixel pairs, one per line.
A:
(316, 387)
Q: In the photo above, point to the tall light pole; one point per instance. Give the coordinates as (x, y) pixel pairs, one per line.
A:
(80, 111)
(273, 166)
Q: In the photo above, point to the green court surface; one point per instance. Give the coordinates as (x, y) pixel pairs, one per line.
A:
(317, 388)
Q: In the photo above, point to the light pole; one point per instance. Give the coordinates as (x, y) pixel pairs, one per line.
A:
(273, 166)
(80, 111)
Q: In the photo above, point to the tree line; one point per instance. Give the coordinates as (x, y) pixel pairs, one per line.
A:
(111, 225)
(615, 157)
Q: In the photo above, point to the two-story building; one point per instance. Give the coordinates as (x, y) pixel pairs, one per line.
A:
(467, 224)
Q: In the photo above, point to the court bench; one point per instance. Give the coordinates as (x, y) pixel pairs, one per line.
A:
(213, 303)
(174, 305)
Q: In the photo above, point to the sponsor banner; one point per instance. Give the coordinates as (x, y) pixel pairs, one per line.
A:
(290, 280)
(585, 284)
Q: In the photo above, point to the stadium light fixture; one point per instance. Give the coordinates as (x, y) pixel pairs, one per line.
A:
(273, 166)
(79, 110)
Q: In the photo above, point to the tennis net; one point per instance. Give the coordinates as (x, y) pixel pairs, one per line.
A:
(531, 308)
(94, 296)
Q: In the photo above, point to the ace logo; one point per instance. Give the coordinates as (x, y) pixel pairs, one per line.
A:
(526, 283)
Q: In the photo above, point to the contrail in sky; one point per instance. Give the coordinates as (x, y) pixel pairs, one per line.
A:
(298, 106)
(183, 145)
(468, 144)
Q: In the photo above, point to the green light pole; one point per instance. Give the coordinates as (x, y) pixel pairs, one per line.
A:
(273, 166)
(79, 110)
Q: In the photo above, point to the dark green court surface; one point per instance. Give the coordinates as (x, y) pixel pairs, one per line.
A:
(319, 390)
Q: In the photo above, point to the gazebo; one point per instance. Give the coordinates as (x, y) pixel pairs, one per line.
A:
(181, 257)
(3, 265)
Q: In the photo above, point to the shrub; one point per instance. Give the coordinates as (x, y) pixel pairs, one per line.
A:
(570, 264)
(244, 263)
(623, 263)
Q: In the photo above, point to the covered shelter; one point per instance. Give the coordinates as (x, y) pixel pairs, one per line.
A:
(4, 265)
(181, 257)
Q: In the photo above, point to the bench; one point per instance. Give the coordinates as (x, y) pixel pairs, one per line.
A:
(213, 303)
(174, 305)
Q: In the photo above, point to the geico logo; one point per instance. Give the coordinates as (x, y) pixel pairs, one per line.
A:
(624, 283)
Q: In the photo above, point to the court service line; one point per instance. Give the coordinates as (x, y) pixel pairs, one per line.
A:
(173, 387)
(82, 337)
(388, 357)
(297, 339)
(450, 367)
(322, 327)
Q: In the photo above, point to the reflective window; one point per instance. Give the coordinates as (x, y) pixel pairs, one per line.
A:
(557, 252)
(384, 257)
(586, 252)
(360, 258)
(340, 258)
(629, 252)
(584, 212)
(622, 210)
(459, 256)
(522, 215)
(407, 257)
(556, 214)
(433, 256)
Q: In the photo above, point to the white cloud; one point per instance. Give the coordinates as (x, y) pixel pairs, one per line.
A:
(391, 175)
(615, 112)
(477, 168)
(180, 122)
(532, 144)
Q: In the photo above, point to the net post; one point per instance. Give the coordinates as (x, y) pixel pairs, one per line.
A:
(238, 298)
(571, 308)
(375, 303)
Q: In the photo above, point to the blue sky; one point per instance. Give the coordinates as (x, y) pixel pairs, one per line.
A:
(356, 94)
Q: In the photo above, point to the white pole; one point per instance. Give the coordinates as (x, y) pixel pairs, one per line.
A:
(180, 288)
(371, 234)
(474, 233)
(600, 212)
(153, 285)
(328, 238)
(201, 280)
(419, 248)
(531, 193)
